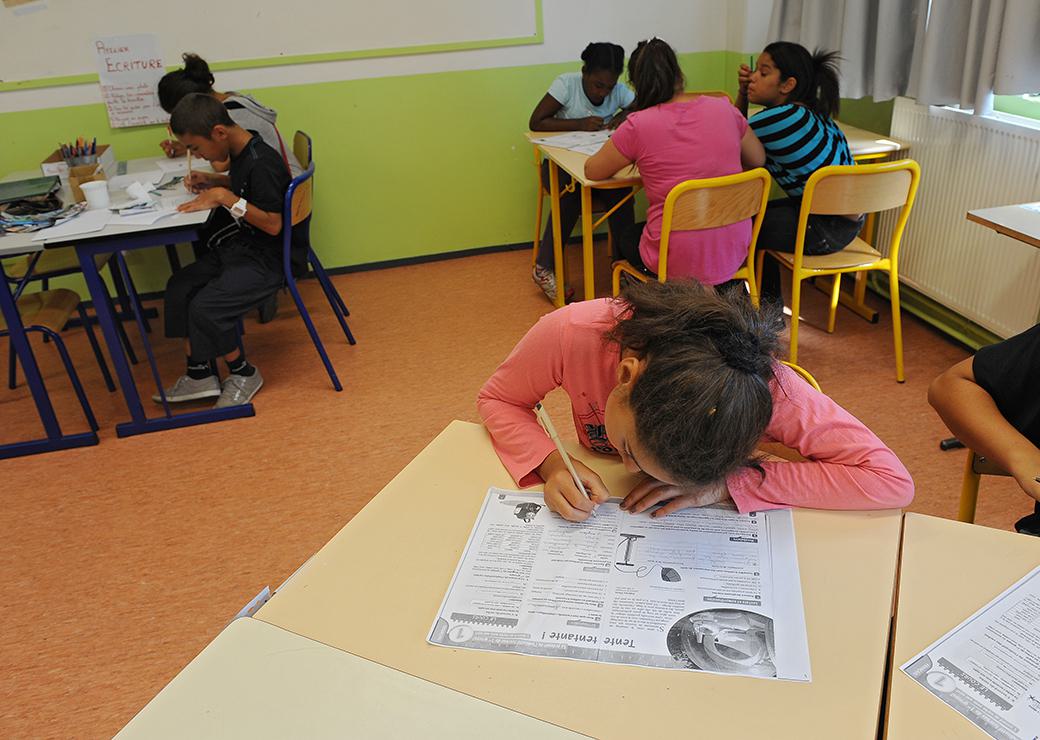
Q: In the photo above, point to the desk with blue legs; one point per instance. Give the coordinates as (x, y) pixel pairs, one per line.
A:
(55, 438)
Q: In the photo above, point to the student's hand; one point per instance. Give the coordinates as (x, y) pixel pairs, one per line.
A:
(207, 200)
(743, 79)
(592, 123)
(173, 148)
(650, 492)
(196, 181)
(563, 496)
(1026, 480)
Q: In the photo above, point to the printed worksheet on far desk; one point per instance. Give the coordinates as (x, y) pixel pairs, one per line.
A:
(702, 589)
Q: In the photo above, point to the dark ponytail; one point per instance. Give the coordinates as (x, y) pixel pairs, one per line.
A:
(603, 55)
(194, 78)
(816, 75)
(654, 72)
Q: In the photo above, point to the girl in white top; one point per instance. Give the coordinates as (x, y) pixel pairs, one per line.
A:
(589, 100)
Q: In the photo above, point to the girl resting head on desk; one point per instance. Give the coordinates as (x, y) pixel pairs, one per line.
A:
(682, 383)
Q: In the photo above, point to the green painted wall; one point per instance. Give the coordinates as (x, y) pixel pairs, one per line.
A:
(406, 166)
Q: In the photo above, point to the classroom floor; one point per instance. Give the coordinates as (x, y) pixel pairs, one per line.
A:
(122, 561)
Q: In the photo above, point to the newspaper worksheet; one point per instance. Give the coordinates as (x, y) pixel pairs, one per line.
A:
(988, 667)
(705, 589)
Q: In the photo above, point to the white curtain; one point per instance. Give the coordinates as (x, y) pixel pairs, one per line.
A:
(968, 50)
(942, 52)
(874, 37)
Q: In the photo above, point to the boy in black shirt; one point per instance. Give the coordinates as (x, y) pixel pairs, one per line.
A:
(243, 266)
(992, 403)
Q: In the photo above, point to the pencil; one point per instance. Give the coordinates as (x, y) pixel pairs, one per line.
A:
(551, 431)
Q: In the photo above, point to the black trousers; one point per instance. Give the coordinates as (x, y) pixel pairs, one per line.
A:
(823, 235)
(620, 221)
(204, 300)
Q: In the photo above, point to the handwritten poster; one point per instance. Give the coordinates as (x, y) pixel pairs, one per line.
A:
(130, 68)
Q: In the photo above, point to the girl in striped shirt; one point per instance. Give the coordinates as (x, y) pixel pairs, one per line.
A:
(799, 92)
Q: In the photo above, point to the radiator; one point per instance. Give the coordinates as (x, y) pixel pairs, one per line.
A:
(969, 162)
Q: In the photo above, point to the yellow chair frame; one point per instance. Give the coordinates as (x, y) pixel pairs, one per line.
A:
(844, 189)
(805, 374)
(975, 467)
(707, 204)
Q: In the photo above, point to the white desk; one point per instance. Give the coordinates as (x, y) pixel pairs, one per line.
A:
(259, 681)
(948, 570)
(1020, 221)
(375, 587)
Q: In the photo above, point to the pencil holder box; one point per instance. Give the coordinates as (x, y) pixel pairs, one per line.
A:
(56, 165)
(81, 174)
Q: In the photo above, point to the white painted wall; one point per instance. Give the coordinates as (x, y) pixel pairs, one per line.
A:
(689, 25)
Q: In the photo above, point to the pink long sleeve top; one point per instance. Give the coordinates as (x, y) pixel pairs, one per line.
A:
(846, 467)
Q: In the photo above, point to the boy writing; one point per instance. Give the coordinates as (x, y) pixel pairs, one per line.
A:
(243, 266)
(991, 403)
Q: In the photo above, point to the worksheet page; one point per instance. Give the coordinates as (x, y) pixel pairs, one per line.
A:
(706, 589)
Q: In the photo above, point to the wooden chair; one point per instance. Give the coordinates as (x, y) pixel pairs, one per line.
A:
(975, 467)
(47, 312)
(849, 189)
(709, 204)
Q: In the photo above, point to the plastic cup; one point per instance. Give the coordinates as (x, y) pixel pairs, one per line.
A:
(96, 193)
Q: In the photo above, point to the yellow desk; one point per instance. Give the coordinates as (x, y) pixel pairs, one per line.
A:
(864, 145)
(258, 681)
(573, 163)
(948, 570)
(374, 590)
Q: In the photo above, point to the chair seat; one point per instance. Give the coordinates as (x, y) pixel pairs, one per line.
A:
(856, 254)
(50, 309)
(51, 261)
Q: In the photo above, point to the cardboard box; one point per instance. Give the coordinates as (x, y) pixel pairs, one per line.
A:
(81, 174)
(55, 165)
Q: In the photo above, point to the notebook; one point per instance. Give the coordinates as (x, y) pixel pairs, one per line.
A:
(21, 189)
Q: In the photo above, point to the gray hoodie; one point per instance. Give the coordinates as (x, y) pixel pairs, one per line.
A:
(252, 116)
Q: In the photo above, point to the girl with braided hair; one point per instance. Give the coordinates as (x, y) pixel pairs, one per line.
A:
(682, 383)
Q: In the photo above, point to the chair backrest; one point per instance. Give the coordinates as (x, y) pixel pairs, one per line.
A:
(711, 203)
(804, 374)
(302, 148)
(861, 188)
(296, 207)
(691, 94)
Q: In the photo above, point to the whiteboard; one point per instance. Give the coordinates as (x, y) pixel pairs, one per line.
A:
(53, 44)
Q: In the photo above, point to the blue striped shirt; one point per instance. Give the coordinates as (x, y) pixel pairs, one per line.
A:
(798, 142)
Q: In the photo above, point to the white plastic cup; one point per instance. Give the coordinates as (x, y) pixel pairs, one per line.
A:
(96, 193)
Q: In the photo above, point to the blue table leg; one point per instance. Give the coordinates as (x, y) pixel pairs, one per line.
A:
(19, 344)
(139, 423)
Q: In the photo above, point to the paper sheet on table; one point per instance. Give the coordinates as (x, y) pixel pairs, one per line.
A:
(84, 223)
(120, 182)
(702, 589)
(178, 166)
(988, 667)
(164, 206)
(576, 140)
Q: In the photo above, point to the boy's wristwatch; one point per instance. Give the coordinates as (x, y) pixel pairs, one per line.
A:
(238, 208)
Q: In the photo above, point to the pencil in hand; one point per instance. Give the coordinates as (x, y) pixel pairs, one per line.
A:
(543, 417)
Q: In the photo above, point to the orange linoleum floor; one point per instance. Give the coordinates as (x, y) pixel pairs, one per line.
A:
(122, 561)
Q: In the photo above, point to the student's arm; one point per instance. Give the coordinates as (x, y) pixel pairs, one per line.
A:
(543, 118)
(972, 415)
(846, 466)
(267, 222)
(605, 162)
(506, 405)
(197, 181)
(752, 153)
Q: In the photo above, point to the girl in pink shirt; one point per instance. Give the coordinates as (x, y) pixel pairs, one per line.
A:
(681, 382)
(672, 140)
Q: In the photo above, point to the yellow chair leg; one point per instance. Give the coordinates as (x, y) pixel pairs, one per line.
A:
(554, 202)
(835, 294)
(796, 305)
(969, 491)
(897, 324)
(615, 286)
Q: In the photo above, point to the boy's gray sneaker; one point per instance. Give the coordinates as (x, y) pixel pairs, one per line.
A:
(187, 388)
(239, 389)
